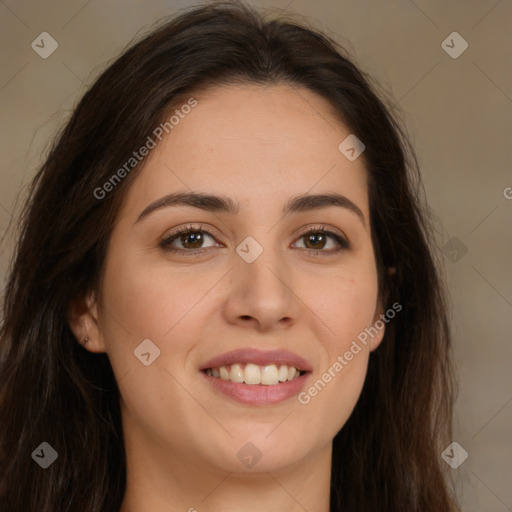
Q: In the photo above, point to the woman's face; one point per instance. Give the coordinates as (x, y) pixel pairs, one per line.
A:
(259, 285)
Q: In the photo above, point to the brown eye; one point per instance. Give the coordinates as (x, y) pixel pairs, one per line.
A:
(189, 239)
(192, 240)
(316, 240)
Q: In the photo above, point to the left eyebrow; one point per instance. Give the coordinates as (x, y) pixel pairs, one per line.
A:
(220, 203)
(307, 202)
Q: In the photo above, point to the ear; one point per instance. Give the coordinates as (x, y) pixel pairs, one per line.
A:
(378, 324)
(378, 319)
(83, 321)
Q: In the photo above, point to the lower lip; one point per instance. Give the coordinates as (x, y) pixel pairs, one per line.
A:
(258, 394)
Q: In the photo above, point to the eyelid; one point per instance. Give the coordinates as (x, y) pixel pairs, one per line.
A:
(340, 238)
(189, 228)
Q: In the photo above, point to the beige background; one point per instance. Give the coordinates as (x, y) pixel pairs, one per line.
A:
(459, 116)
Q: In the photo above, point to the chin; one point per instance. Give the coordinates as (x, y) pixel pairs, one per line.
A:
(253, 452)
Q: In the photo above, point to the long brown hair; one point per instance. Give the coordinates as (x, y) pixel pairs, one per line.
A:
(387, 455)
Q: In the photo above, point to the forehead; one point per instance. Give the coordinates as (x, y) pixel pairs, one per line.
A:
(257, 144)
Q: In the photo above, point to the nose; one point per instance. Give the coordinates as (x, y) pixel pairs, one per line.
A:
(262, 294)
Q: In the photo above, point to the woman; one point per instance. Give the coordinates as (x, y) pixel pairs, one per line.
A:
(224, 294)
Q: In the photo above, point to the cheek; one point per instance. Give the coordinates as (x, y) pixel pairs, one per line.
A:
(344, 311)
(345, 306)
(150, 300)
(156, 302)
(161, 304)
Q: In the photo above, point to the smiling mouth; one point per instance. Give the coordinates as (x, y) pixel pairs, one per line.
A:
(253, 374)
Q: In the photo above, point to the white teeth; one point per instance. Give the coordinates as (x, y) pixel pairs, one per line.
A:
(252, 374)
(236, 374)
(268, 375)
(283, 373)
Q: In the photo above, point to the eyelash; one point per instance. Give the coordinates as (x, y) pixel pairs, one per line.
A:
(166, 243)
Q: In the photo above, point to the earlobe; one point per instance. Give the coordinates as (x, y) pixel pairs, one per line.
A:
(84, 323)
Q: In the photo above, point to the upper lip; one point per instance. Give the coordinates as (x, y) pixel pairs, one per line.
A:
(259, 357)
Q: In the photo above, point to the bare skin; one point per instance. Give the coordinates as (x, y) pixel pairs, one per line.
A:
(260, 146)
